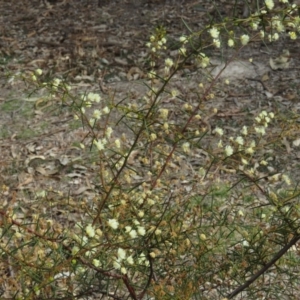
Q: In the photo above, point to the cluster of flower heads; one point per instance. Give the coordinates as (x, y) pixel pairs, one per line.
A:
(54, 84)
(169, 63)
(277, 24)
(262, 122)
(157, 42)
(88, 101)
(37, 72)
(89, 241)
(245, 146)
(120, 260)
(239, 143)
(183, 40)
(202, 60)
(215, 34)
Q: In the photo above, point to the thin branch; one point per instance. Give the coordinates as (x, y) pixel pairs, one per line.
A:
(238, 290)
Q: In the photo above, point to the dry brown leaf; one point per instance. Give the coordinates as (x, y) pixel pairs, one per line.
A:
(287, 145)
(24, 179)
(79, 191)
(135, 73)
